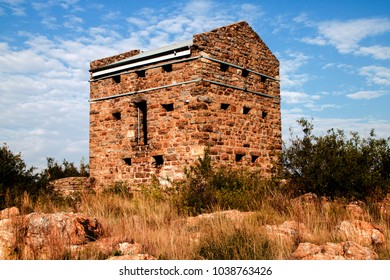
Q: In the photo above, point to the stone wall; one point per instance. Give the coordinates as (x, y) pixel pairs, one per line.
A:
(234, 109)
(71, 185)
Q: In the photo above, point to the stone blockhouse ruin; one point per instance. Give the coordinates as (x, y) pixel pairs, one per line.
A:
(153, 113)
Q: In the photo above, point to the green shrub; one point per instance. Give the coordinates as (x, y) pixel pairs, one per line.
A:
(206, 188)
(336, 166)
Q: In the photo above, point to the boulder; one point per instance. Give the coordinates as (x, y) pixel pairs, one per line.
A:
(41, 236)
(361, 232)
(229, 215)
(136, 257)
(355, 211)
(9, 212)
(7, 238)
(333, 251)
(288, 230)
(384, 206)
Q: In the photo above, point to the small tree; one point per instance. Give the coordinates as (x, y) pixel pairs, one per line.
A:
(334, 165)
(15, 177)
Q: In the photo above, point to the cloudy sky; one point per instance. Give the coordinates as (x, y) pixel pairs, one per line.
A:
(334, 55)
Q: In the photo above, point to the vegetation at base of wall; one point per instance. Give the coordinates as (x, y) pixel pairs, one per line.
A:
(206, 187)
(334, 165)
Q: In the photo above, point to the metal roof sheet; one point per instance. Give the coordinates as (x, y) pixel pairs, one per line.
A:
(155, 52)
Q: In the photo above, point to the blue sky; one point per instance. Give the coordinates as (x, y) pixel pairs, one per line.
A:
(334, 56)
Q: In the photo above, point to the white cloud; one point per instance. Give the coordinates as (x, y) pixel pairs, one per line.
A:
(347, 36)
(320, 41)
(367, 94)
(289, 67)
(378, 52)
(376, 74)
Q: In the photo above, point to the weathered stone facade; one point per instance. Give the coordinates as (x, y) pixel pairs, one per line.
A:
(154, 113)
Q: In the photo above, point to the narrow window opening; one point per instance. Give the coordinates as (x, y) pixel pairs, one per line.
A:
(167, 67)
(168, 107)
(254, 158)
(246, 110)
(224, 106)
(264, 114)
(117, 79)
(158, 160)
(141, 73)
(117, 115)
(263, 79)
(142, 123)
(244, 73)
(223, 67)
(239, 157)
(127, 161)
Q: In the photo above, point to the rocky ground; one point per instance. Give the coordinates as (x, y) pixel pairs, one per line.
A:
(41, 235)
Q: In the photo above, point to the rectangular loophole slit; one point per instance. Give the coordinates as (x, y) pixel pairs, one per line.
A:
(142, 123)
(167, 67)
(158, 160)
(168, 107)
(263, 79)
(264, 114)
(254, 158)
(244, 73)
(224, 106)
(141, 73)
(117, 115)
(239, 157)
(127, 161)
(223, 67)
(246, 110)
(117, 79)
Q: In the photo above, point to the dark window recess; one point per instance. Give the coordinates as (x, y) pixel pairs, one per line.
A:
(117, 79)
(117, 115)
(246, 110)
(264, 114)
(244, 73)
(167, 67)
(168, 107)
(127, 161)
(158, 160)
(141, 73)
(239, 157)
(263, 79)
(142, 123)
(224, 106)
(254, 158)
(223, 67)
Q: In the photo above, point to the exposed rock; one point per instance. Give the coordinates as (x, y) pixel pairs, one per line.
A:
(7, 238)
(288, 230)
(308, 198)
(37, 235)
(108, 246)
(385, 206)
(137, 257)
(361, 232)
(230, 215)
(333, 251)
(355, 211)
(9, 212)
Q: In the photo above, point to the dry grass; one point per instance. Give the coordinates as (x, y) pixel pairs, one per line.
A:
(155, 222)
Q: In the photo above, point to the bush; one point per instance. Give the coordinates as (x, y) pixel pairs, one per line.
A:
(15, 178)
(206, 188)
(336, 166)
